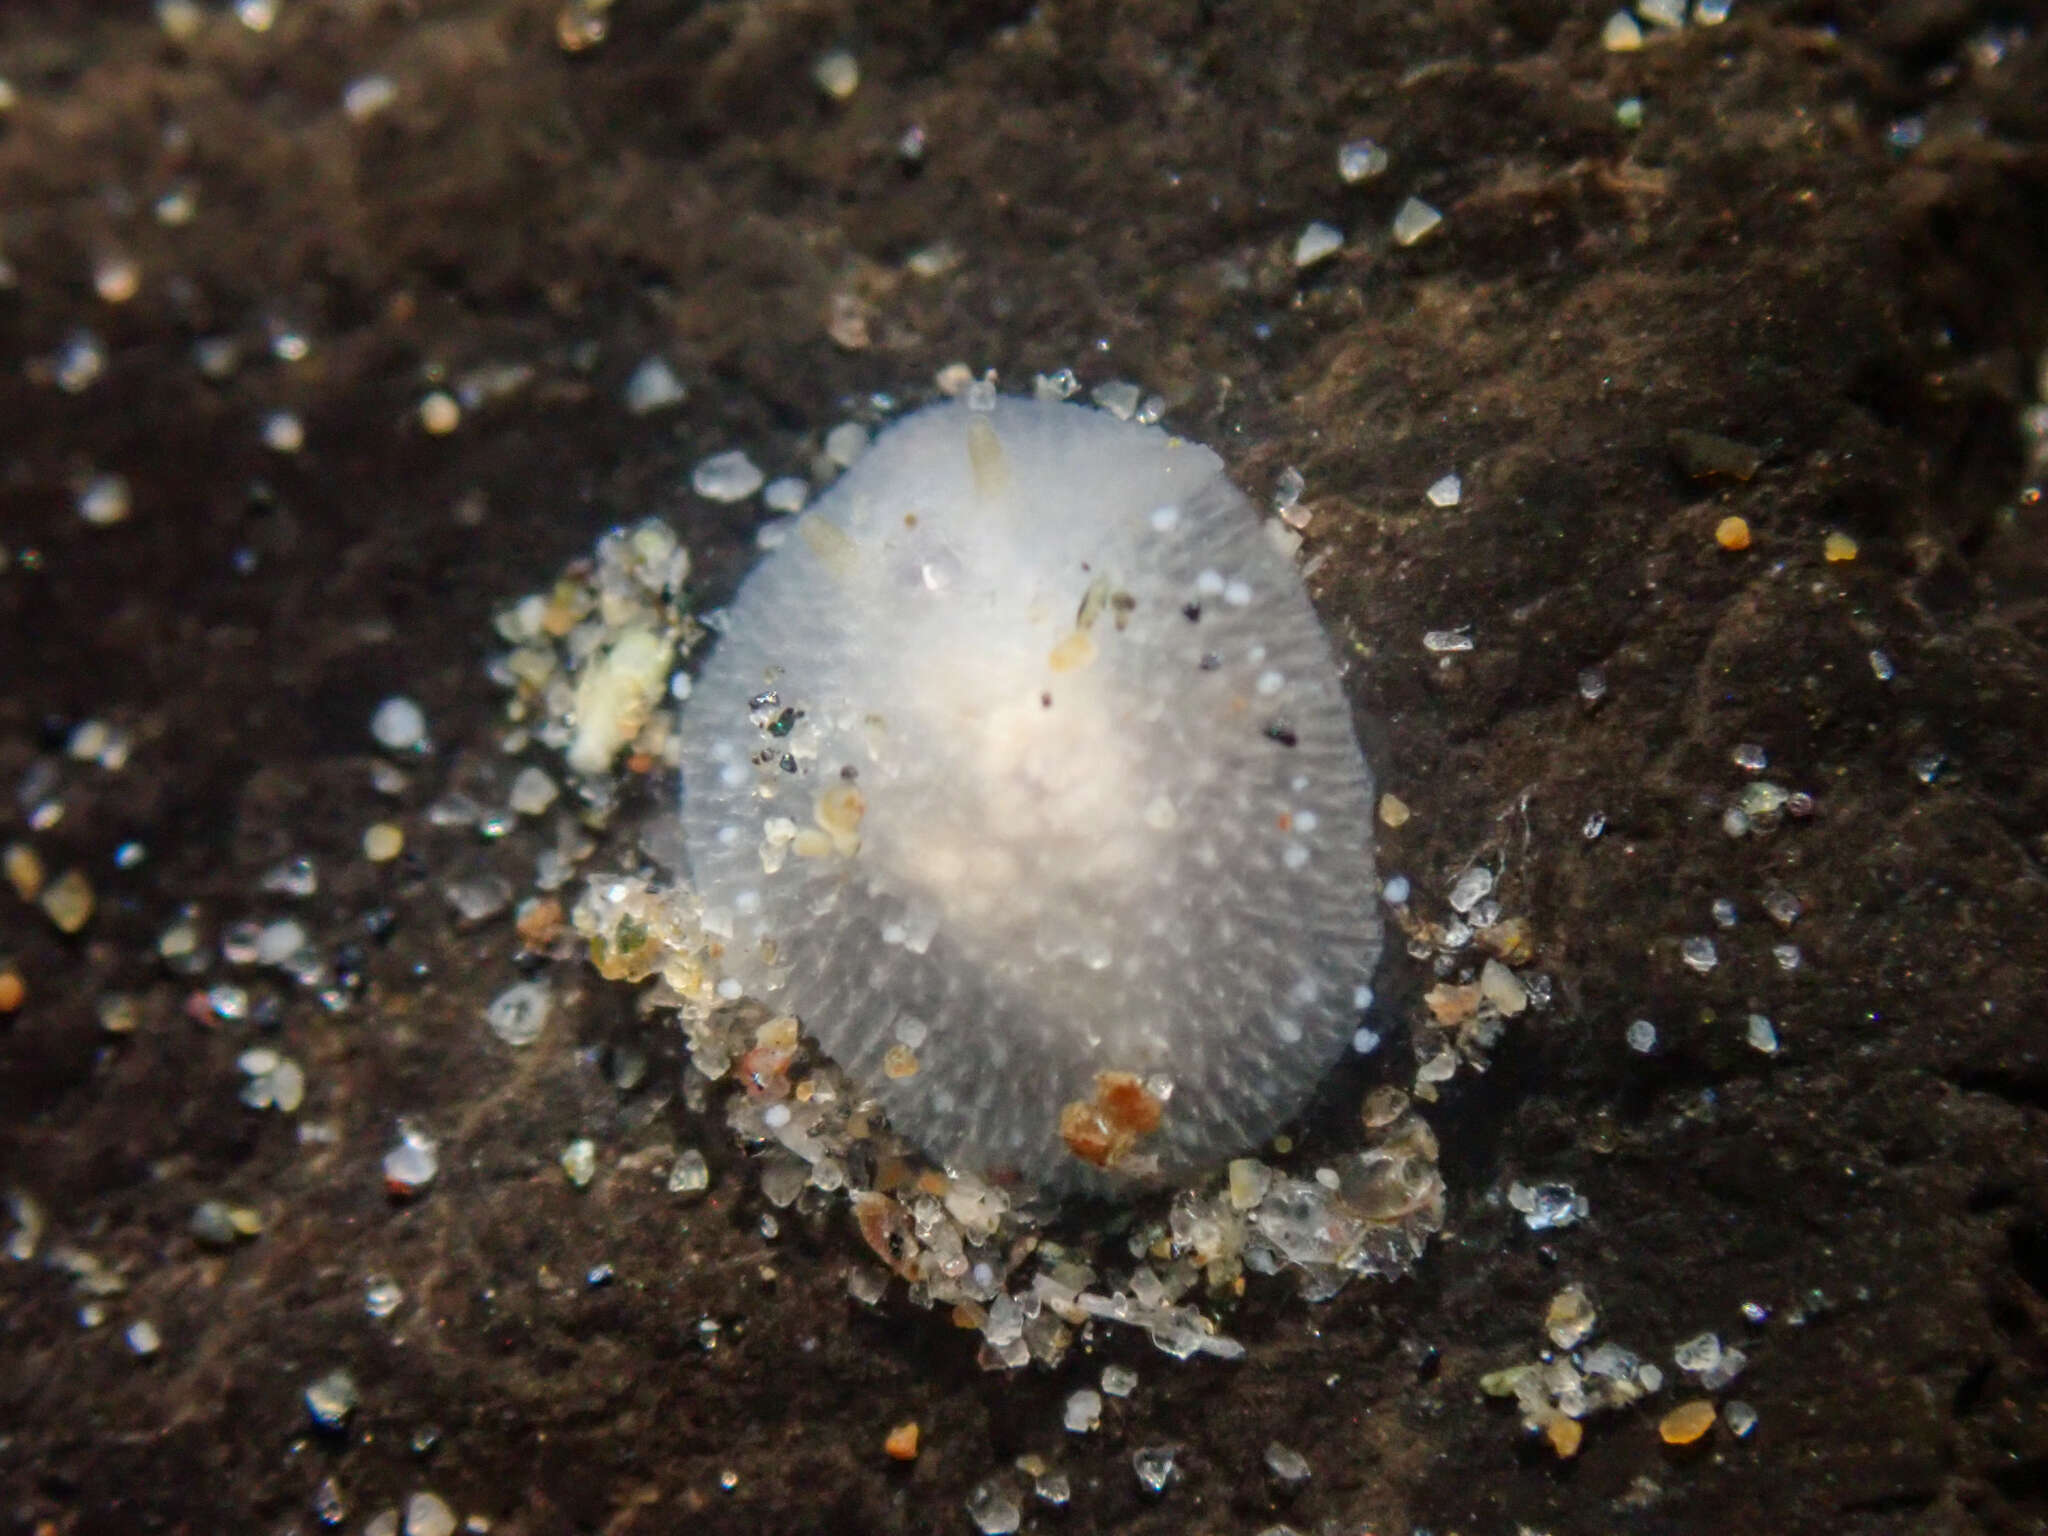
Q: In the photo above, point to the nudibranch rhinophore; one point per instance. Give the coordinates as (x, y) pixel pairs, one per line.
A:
(1021, 774)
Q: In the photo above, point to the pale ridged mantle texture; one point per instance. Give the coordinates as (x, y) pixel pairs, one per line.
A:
(1024, 759)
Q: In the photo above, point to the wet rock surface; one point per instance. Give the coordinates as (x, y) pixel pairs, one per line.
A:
(1809, 289)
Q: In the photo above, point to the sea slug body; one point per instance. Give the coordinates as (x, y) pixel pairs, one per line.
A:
(1022, 775)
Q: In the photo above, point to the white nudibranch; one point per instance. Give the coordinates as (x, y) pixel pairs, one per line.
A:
(1023, 777)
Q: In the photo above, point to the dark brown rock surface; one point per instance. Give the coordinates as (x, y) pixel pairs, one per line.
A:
(1827, 244)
